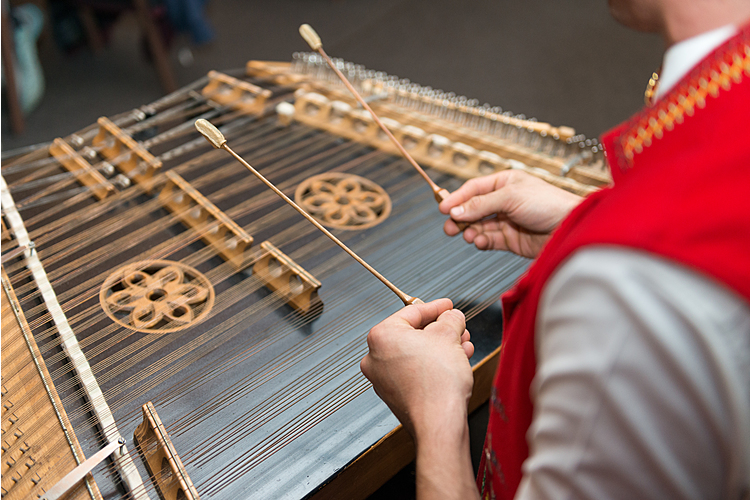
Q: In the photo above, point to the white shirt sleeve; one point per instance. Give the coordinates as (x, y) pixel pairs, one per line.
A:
(642, 389)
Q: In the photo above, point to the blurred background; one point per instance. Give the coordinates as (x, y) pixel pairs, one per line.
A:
(565, 61)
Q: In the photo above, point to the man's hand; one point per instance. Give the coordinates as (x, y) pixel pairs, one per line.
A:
(419, 364)
(508, 210)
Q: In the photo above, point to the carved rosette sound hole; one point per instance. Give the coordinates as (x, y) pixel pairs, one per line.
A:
(343, 201)
(157, 296)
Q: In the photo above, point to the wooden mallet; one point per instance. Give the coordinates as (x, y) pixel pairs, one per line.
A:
(217, 140)
(313, 40)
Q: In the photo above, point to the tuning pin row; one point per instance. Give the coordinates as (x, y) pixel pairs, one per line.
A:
(459, 110)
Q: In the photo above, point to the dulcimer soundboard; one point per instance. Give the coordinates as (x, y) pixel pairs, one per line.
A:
(172, 329)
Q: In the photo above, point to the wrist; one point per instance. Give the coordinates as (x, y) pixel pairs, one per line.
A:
(444, 468)
(441, 424)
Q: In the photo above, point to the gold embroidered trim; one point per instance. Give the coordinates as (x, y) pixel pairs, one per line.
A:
(672, 110)
(648, 95)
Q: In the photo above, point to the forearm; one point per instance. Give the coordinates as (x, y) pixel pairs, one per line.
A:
(444, 467)
(418, 363)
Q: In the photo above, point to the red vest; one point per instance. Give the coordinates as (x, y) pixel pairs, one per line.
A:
(681, 190)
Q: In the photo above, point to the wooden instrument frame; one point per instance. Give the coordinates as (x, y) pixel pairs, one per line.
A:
(152, 189)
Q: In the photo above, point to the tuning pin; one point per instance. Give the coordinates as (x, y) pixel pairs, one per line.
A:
(76, 140)
(391, 83)
(557, 147)
(413, 96)
(306, 62)
(107, 168)
(527, 137)
(332, 76)
(550, 142)
(296, 63)
(426, 104)
(575, 144)
(460, 103)
(505, 129)
(599, 156)
(436, 105)
(483, 117)
(122, 180)
(544, 141)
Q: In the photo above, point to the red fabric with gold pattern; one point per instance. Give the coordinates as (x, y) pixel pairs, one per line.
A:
(681, 190)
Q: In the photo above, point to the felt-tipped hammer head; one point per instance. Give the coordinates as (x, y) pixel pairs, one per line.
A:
(210, 132)
(312, 38)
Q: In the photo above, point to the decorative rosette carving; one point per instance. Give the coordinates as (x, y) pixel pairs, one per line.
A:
(344, 201)
(157, 296)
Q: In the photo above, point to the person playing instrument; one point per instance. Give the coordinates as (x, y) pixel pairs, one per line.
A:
(625, 367)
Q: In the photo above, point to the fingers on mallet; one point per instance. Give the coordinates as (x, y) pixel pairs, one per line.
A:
(454, 318)
(468, 348)
(462, 226)
(420, 315)
(452, 228)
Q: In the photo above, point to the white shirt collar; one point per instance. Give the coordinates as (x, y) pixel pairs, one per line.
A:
(681, 57)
